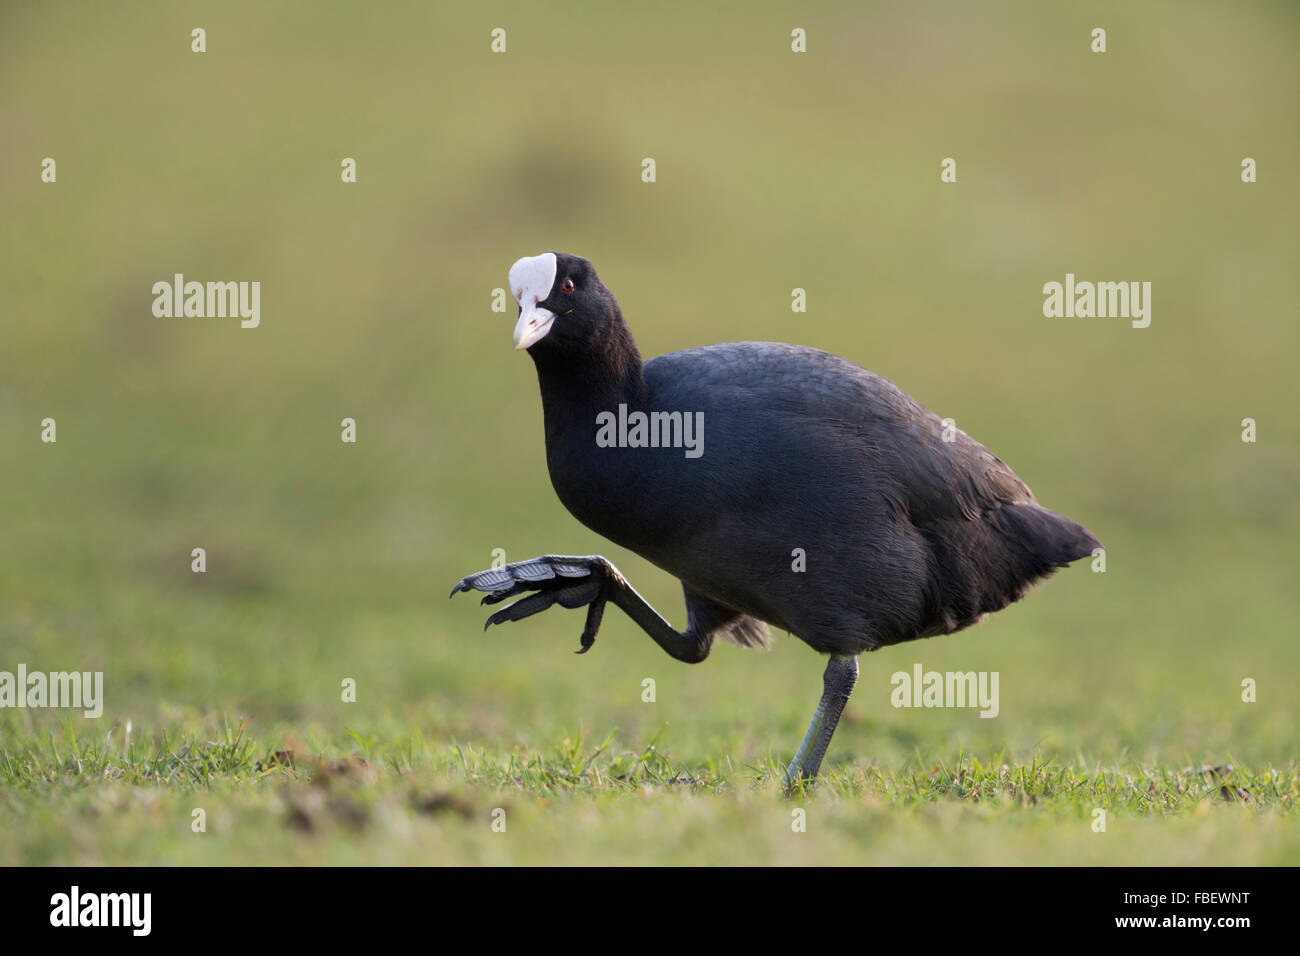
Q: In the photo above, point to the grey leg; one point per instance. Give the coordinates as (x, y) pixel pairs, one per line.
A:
(837, 684)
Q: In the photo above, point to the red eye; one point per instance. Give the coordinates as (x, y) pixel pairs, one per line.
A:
(567, 285)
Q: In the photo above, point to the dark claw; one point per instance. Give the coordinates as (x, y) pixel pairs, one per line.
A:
(595, 610)
(521, 609)
(496, 597)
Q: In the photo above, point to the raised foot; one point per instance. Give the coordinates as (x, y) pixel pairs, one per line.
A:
(567, 580)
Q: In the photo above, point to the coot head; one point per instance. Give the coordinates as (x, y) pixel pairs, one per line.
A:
(563, 305)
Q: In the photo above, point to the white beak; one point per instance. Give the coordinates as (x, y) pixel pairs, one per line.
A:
(531, 279)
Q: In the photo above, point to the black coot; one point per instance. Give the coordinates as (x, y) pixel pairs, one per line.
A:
(782, 485)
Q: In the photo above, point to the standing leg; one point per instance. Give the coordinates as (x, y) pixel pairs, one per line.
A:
(837, 684)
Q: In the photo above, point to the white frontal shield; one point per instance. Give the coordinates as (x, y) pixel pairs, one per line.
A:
(531, 279)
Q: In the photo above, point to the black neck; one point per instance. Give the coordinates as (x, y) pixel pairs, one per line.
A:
(605, 372)
(577, 384)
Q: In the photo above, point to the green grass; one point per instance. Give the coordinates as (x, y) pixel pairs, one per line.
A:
(582, 801)
(329, 561)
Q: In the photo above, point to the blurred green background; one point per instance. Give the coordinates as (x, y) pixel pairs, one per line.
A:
(775, 170)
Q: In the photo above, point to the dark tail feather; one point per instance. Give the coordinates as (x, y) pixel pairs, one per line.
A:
(986, 564)
(1054, 539)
